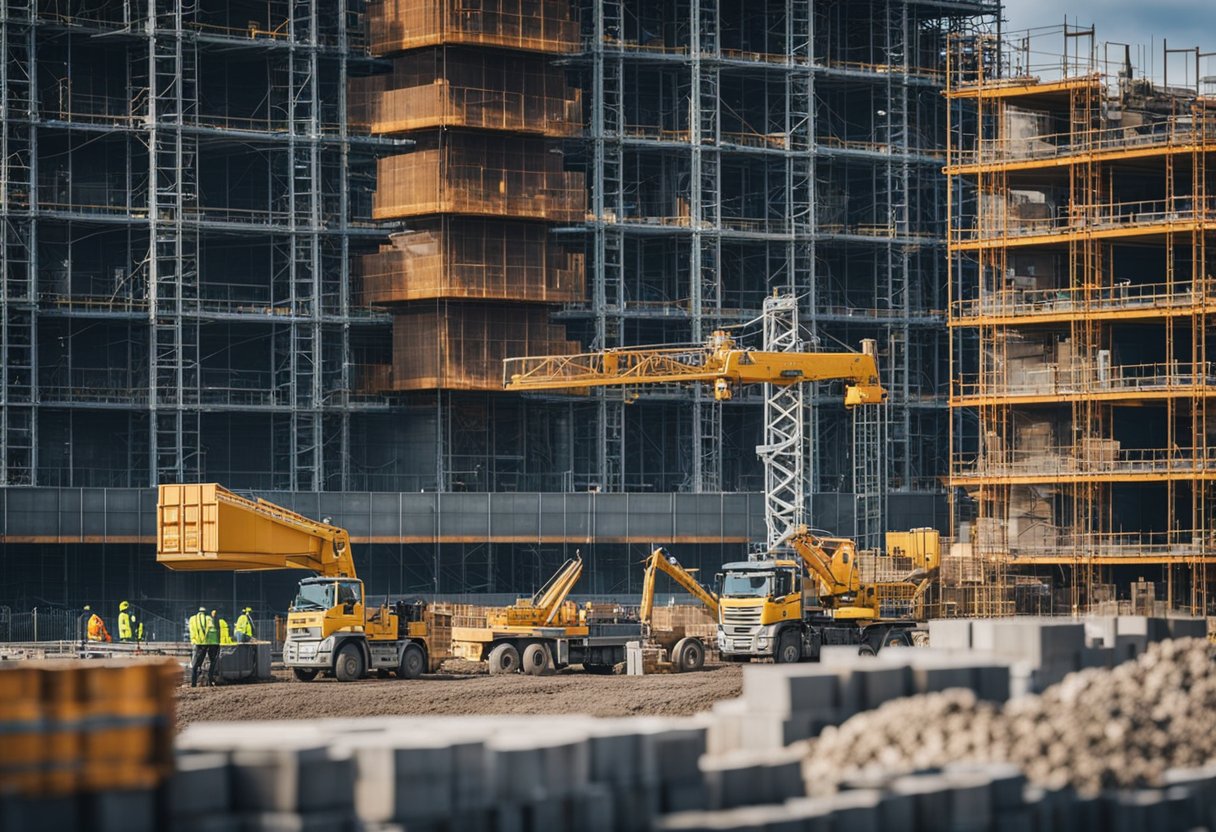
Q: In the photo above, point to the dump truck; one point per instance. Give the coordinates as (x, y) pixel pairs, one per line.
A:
(546, 632)
(765, 607)
(331, 627)
(686, 653)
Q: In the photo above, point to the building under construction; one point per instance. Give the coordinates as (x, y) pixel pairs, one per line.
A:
(285, 246)
(1083, 260)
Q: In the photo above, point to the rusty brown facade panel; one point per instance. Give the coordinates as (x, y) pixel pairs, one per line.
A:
(544, 26)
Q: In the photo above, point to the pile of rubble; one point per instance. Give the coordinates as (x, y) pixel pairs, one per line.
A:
(1097, 729)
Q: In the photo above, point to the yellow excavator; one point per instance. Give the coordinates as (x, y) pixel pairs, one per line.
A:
(764, 612)
(687, 653)
(546, 632)
(330, 627)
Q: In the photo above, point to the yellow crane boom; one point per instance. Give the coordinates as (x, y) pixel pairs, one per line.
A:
(205, 527)
(833, 560)
(719, 362)
(661, 560)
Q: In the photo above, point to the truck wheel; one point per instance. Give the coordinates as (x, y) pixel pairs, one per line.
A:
(866, 649)
(349, 665)
(788, 650)
(688, 655)
(897, 638)
(413, 662)
(536, 660)
(304, 674)
(504, 659)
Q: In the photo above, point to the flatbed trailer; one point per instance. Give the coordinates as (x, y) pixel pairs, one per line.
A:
(541, 650)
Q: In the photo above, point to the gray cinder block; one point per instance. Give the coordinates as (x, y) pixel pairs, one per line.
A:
(970, 801)
(305, 778)
(296, 822)
(950, 633)
(857, 810)
(132, 810)
(1187, 627)
(791, 688)
(882, 684)
(199, 785)
(930, 795)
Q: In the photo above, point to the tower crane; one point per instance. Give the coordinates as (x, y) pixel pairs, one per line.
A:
(782, 367)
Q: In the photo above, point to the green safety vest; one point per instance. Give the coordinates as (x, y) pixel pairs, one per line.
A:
(124, 626)
(203, 630)
(244, 625)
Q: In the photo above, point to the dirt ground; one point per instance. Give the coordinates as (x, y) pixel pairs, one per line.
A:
(461, 689)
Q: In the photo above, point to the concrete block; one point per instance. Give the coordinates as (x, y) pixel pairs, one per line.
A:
(42, 814)
(896, 812)
(1152, 628)
(207, 823)
(294, 776)
(296, 822)
(992, 682)
(545, 814)
(509, 817)
(636, 808)
(837, 655)
(617, 752)
(1015, 820)
(1187, 627)
(400, 775)
(1100, 657)
(930, 795)
(856, 811)
(590, 809)
(791, 688)
(970, 801)
(199, 785)
(1100, 631)
(683, 796)
(882, 684)
(1006, 781)
(1038, 641)
(950, 633)
(677, 750)
(936, 678)
(816, 814)
(127, 810)
(758, 732)
(1201, 783)
(633, 658)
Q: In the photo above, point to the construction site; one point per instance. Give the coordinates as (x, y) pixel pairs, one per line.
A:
(304, 287)
(391, 386)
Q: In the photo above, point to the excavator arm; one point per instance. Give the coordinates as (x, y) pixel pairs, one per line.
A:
(833, 560)
(205, 527)
(661, 560)
(719, 362)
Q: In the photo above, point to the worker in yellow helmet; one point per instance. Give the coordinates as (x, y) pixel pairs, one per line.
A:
(244, 626)
(126, 632)
(205, 636)
(225, 633)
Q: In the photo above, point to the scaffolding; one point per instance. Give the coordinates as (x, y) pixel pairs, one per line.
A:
(177, 226)
(1081, 290)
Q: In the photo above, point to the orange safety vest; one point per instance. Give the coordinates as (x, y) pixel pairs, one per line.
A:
(97, 629)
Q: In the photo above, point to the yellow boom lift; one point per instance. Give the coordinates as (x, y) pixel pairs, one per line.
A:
(545, 632)
(330, 628)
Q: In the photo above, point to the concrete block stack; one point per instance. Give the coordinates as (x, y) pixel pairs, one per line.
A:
(973, 797)
(437, 774)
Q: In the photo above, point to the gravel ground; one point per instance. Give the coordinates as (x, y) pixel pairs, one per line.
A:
(463, 689)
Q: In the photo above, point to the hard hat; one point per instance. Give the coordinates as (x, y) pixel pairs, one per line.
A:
(87, 608)
(124, 605)
(248, 609)
(202, 609)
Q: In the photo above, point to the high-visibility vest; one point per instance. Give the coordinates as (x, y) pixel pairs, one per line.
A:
(124, 626)
(244, 625)
(202, 629)
(97, 629)
(225, 635)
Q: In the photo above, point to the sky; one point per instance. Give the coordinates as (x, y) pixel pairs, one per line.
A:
(1184, 23)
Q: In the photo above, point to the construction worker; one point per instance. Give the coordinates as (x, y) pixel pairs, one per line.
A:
(205, 636)
(126, 632)
(244, 626)
(225, 633)
(96, 627)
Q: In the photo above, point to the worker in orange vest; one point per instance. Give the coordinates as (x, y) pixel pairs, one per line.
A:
(96, 628)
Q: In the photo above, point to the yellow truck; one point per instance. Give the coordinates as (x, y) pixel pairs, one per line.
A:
(765, 614)
(546, 632)
(331, 628)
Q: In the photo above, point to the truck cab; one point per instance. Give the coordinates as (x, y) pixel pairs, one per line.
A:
(757, 601)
